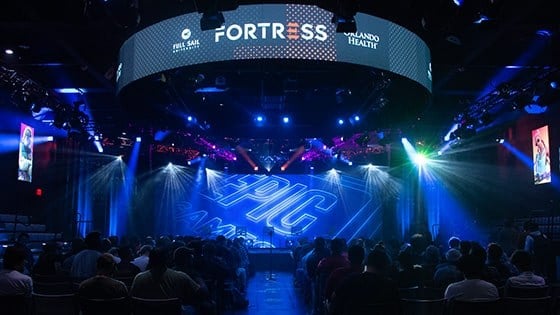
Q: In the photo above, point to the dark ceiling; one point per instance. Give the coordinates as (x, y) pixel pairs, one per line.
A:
(75, 44)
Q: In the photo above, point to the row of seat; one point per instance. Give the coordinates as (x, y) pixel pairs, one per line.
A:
(503, 306)
(70, 304)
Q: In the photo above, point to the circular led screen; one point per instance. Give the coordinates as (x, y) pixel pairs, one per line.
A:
(275, 31)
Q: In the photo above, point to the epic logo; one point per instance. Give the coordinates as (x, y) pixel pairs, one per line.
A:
(291, 31)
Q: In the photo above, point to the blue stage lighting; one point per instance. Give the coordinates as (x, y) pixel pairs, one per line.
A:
(285, 119)
(96, 138)
(260, 118)
(554, 84)
(350, 163)
(420, 159)
(138, 139)
(341, 122)
(190, 118)
(356, 118)
(458, 2)
(50, 138)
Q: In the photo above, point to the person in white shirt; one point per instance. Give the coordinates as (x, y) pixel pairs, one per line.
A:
(142, 261)
(522, 260)
(12, 280)
(473, 287)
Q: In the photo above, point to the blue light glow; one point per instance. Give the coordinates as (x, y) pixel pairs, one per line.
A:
(285, 119)
(341, 122)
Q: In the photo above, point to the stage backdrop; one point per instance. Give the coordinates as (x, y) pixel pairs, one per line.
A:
(265, 208)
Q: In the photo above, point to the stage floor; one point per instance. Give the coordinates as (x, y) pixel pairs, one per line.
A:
(272, 297)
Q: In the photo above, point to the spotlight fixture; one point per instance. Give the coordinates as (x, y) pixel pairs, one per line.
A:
(9, 51)
(50, 138)
(285, 119)
(138, 139)
(340, 121)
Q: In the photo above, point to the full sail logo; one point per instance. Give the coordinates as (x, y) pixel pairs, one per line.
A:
(267, 30)
(187, 42)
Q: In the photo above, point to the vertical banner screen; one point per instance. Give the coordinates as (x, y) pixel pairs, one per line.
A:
(541, 156)
(25, 161)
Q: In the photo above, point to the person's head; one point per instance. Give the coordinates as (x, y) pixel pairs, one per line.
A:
(431, 255)
(530, 226)
(319, 243)
(106, 245)
(183, 256)
(465, 247)
(106, 265)
(377, 262)
(454, 242)
(93, 240)
(78, 244)
(453, 255)
(495, 252)
(209, 250)
(522, 260)
(405, 257)
(14, 258)
(23, 238)
(125, 253)
(145, 250)
(337, 246)
(479, 251)
(163, 242)
(472, 266)
(356, 255)
(158, 259)
(221, 240)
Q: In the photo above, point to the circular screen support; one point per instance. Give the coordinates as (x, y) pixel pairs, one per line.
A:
(274, 31)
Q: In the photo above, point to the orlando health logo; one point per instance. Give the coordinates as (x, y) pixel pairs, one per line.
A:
(267, 30)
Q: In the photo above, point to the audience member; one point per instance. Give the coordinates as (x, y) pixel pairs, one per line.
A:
(473, 287)
(84, 263)
(12, 279)
(49, 262)
(22, 241)
(370, 286)
(409, 274)
(160, 282)
(143, 257)
(126, 269)
(356, 255)
(538, 245)
(102, 285)
(447, 272)
(522, 260)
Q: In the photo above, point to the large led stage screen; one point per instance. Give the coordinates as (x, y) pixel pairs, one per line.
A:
(330, 205)
(25, 158)
(274, 31)
(541, 155)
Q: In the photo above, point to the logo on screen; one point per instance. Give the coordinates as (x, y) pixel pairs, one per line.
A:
(265, 30)
(361, 39)
(187, 43)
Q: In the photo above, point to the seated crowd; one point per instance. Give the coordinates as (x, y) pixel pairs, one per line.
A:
(340, 278)
(206, 275)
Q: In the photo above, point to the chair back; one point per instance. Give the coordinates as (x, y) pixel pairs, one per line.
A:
(423, 307)
(15, 304)
(60, 304)
(474, 307)
(60, 287)
(409, 293)
(142, 306)
(104, 306)
(374, 308)
(533, 306)
(527, 292)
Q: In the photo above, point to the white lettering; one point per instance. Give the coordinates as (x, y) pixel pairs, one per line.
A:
(219, 33)
(278, 30)
(263, 27)
(234, 27)
(250, 30)
(307, 31)
(321, 31)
